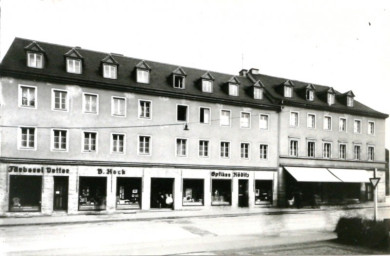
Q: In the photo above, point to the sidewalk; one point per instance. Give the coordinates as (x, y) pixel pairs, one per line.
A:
(63, 218)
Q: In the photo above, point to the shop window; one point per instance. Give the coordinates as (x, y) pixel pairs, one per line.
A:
(311, 149)
(311, 121)
(221, 192)
(264, 122)
(343, 125)
(263, 192)
(203, 148)
(92, 193)
(245, 120)
(27, 96)
(204, 115)
(182, 112)
(60, 100)
(161, 193)
(342, 151)
(128, 193)
(144, 109)
(90, 103)
(25, 193)
(193, 192)
(245, 150)
(118, 106)
(34, 60)
(225, 118)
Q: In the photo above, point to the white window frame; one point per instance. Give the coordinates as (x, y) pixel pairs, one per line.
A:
(230, 117)
(267, 151)
(140, 109)
(208, 149)
(361, 126)
(350, 101)
(314, 150)
(368, 153)
(258, 93)
(84, 103)
(233, 89)
(200, 110)
(288, 91)
(360, 152)
(186, 147)
(112, 143)
(315, 120)
(113, 110)
(183, 86)
(346, 124)
(368, 127)
(325, 123)
(249, 121)
(145, 77)
(53, 100)
(110, 71)
(331, 98)
(187, 113)
(228, 147)
(345, 147)
(249, 151)
(289, 148)
(207, 84)
(323, 149)
(35, 62)
(267, 121)
(52, 148)
(71, 66)
(297, 120)
(19, 138)
(82, 142)
(20, 96)
(139, 145)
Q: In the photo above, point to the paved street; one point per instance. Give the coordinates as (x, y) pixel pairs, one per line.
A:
(176, 236)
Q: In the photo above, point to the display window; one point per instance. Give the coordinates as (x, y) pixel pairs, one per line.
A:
(161, 195)
(193, 192)
(128, 193)
(25, 193)
(221, 192)
(263, 191)
(92, 193)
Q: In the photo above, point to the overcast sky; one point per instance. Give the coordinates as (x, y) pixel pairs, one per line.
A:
(343, 44)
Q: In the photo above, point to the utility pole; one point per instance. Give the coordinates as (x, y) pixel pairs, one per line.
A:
(374, 181)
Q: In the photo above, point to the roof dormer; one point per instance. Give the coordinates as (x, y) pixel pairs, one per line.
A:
(74, 61)
(179, 78)
(207, 82)
(233, 84)
(109, 67)
(258, 90)
(310, 92)
(348, 98)
(35, 55)
(143, 72)
(330, 96)
(288, 87)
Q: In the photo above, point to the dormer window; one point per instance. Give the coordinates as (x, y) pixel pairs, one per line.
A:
(178, 82)
(350, 101)
(73, 66)
(330, 99)
(34, 60)
(257, 93)
(287, 91)
(233, 89)
(143, 72)
(207, 86)
(109, 71)
(309, 95)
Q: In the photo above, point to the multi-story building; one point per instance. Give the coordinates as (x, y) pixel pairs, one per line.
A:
(84, 131)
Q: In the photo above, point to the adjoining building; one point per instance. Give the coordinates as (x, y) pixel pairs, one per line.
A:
(85, 131)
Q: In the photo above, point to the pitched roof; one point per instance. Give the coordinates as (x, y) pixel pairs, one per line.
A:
(73, 53)
(109, 59)
(34, 46)
(179, 71)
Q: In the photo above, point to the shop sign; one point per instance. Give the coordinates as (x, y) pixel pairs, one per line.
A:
(23, 169)
(221, 174)
(111, 171)
(240, 175)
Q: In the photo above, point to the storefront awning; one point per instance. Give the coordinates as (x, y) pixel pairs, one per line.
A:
(352, 175)
(305, 174)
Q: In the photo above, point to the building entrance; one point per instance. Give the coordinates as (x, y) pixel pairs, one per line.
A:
(243, 193)
(161, 193)
(60, 193)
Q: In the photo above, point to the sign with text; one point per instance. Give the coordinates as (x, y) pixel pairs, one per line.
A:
(222, 174)
(110, 171)
(42, 170)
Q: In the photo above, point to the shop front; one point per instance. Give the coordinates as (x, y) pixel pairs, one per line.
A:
(161, 193)
(128, 193)
(193, 192)
(92, 193)
(25, 193)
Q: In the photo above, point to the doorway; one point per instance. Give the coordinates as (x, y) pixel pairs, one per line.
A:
(243, 193)
(61, 193)
(161, 195)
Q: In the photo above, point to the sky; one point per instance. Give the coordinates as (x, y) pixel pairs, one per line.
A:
(343, 44)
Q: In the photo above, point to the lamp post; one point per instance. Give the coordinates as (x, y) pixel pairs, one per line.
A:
(374, 182)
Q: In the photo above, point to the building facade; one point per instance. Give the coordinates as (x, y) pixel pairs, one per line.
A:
(88, 131)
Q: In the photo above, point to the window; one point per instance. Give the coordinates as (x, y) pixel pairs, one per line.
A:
(73, 66)
(142, 76)
(59, 140)
(371, 128)
(330, 98)
(109, 71)
(225, 118)
(182, 113)
(293, 148)
(356, 152)
(233, 89)
(90, 141)
(27, 96)
(264, 122)
(25, 193)
(294, 119)
(349, 101)
(311, 121)
(118, 142)
(327, 123)
(257, 93)
(342, 125)
(245, 120)
(204, 148)
(92, 193)
(144, 145)
(178, 82)
(310, 95)
(181, 147)
(221, 192)
(357, 126)
(144, 109)
(60, 100)
(225, 149)
(193, 192)
(287, 92)
(204, 115)
(263, 151)
(34, 60)
(327, 150)
(370, 153)
(90, 103)
(245, 150)
(128, 193)
(207, 86)
(342, 151)
(311, 149)
(27, 138)
(118, 106)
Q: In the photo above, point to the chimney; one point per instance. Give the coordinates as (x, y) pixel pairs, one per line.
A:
(254, 71)
(243, 72)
